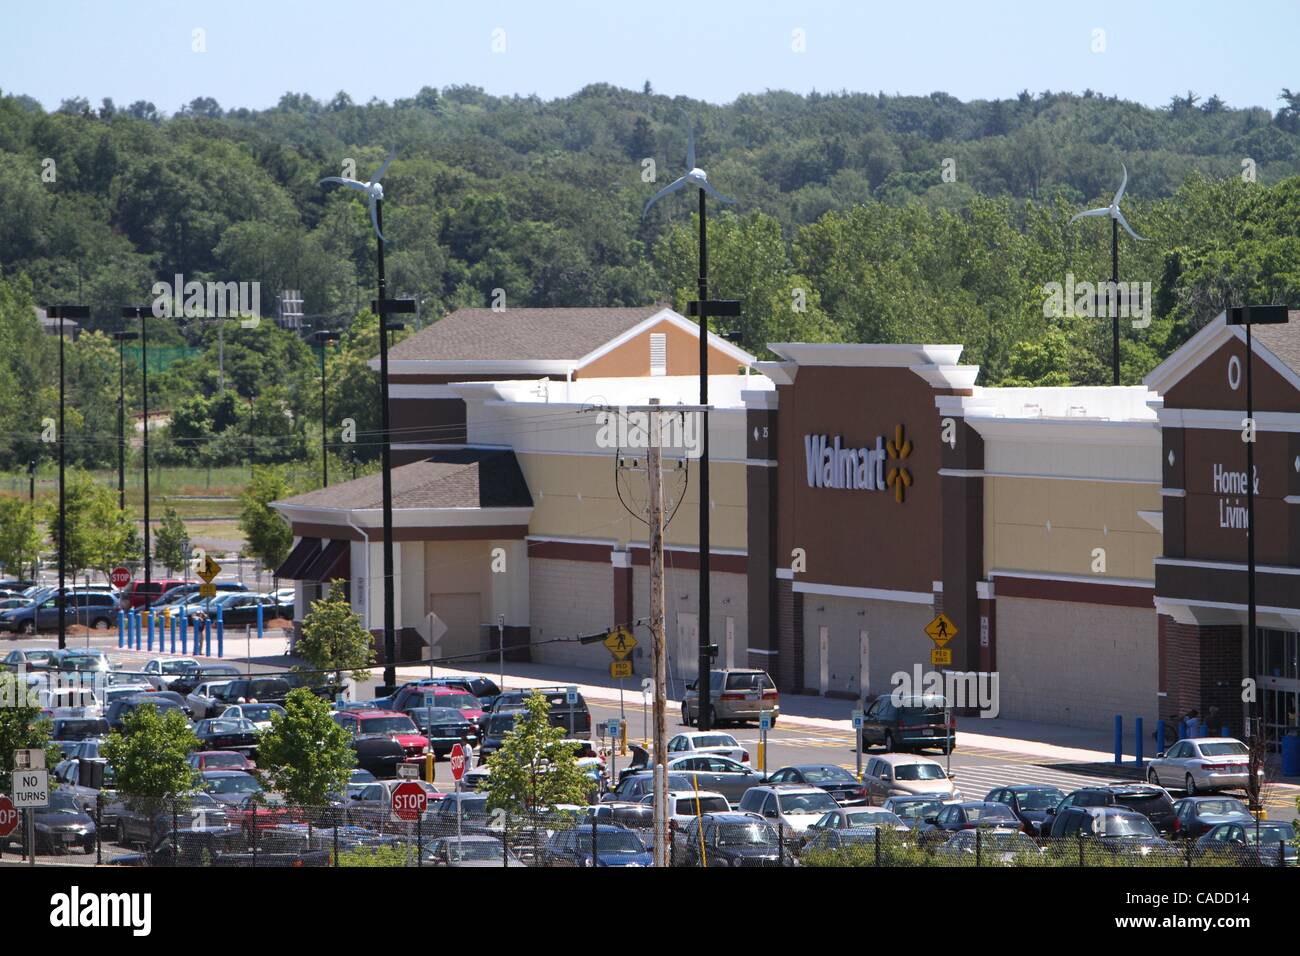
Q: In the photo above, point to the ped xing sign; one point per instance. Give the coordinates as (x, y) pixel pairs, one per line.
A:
(941, 657)
(31, 789)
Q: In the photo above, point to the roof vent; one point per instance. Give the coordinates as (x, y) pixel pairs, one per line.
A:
(658, 353)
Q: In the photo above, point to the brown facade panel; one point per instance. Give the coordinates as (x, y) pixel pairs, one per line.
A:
(1203, 670)
(1224, 586)
(570, 551)
(763, 560)
(517, 638)
(426, 420)
(687, 560)
(1207, 386)
(623, 603)
(1080, 592)
(632, 358)
(789, 615)
(963, 563)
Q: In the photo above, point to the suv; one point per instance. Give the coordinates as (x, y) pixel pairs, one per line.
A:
(264, 690)
(910, 723)
(731, 839)
(138, 593)
(734, 695)
(1114, 828)
(790, 806)
(97, 609)
(574, 719)
(1152, 802)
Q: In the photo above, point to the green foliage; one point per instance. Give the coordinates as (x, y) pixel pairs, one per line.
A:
(99, 534)
(333, 638)
(382, 856)
(148, 756)
(534, 771)
(269, 535)
(308, 755)
(20, 536)
(22, 727)
(171, 542)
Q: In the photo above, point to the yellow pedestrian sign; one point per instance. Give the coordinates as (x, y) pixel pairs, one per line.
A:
(620, 668)
(209, 569)
(941, 630)
(620, 642)
(941, 658)
(207, 590)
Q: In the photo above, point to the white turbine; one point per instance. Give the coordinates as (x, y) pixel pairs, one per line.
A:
(694, 177)
(373, 190)
(1112, 211)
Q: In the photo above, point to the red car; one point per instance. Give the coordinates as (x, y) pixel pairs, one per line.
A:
(386, 723)
(220, 760)
(412, 696)
(137, 594)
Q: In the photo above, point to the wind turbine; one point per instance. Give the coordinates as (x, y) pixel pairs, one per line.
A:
(702, 308)
(373, 190)
(1116, 220)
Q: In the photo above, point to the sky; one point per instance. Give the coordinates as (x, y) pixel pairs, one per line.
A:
(253, 52)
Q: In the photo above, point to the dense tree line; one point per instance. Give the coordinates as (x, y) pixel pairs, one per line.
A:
(859, 217)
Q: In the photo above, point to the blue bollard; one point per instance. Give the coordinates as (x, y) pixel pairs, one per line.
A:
(121, 629)
(148, 628)
(171, 619)
(207, 637)
(1138, 749)
(185, 622)
(221, 632)
(1226, 731)
(259, 620)
(1160, 736)
(1119, 738)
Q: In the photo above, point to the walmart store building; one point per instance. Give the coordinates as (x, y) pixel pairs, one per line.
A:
(1088, 543)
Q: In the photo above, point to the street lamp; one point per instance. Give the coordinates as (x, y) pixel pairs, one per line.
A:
(1248, 316)
(62, 312)
(122, 338)
(142, 312)
(323, 338)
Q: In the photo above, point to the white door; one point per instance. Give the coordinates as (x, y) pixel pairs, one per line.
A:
(823, 647)
(731, 643)
(686, 664)
(864, 662)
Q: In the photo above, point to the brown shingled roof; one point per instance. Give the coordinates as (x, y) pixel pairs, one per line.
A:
(520, 334)
(455, 478)
(1282, 340)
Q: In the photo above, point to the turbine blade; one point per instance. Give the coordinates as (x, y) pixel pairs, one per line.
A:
(1119, 194)
(670, 188)
(350, 183)
(1104, 211)
(384, 168)
(1127, 228)
(374, 219)
(714, 193)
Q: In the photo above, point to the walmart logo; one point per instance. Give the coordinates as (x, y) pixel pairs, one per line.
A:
(898, 477)
(831, 465)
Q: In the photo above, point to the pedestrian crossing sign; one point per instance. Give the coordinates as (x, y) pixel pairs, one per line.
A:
(620, 668)
(941, 630)
(620, 642)
(941, 657)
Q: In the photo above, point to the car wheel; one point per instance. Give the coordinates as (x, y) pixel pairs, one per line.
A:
(27, 628)
(100, 624)
(686, 716)
(1190, 786)
(889, 744)
(713, 718)
(1153, 778)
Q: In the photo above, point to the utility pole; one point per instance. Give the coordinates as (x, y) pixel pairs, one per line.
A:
(142, 312)
(323, 338)
(654, 466)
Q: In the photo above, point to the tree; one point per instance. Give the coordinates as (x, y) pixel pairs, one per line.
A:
(305, 751)
(98, 532)
(269, 535)
(22, 727)
(148, 756)
(20, 536)
(333, 638)
(534, 770)
(172, 542)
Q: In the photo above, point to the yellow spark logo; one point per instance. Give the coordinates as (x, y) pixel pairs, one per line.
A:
(898, 477)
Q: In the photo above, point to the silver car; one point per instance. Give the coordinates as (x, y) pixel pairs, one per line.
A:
(734, 696)
(1202, 763)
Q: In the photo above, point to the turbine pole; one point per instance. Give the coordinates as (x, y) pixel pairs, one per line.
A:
(1114, 300)
(390, 649)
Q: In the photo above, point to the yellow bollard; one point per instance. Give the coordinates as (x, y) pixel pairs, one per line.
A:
(762, 755)
(622, 739)
(428, 767)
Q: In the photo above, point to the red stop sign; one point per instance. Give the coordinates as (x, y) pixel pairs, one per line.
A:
(409, 801)
(457, 762)
(8, 816)
(120, 577)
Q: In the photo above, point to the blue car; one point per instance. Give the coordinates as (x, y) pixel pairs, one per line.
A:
(615, 846)
(97, 609)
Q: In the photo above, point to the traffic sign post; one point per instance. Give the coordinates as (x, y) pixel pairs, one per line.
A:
(764, 725)
(858, 719)
(31, 792)
(620, 669)
(457, 759)
(571, 698)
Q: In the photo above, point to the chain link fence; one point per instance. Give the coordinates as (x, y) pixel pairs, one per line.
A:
(273, 834)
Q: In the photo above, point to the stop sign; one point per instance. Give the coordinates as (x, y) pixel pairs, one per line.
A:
(409, 801)
(8, 816)
(120, 577)
(457, 762)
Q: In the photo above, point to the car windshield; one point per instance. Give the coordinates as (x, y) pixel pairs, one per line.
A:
(1227, 748)
(873, 818)
(469, 806)
(818, 802)
(474, 850)
(80, 729)
(459, 700)
(730, 834)
(990, 813)
(388, 725)
(930, 713)
(259, 711)
(820, 776)
(223, 760)
(1223, 806)
(916, 808)
(61, 802)
(1039, 799)
(179, 667)
(235, 725)
(501, 724)
(1127, 825)
(240, 784)
(688, 806)
(1145, 802)
(438, 716)
(919, 771)
(619, 841)
(1272, 833)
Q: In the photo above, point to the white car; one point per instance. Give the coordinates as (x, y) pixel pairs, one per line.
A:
(258, 714)
(710, 742)
(685, 805)
(1202, 763)
(206, 700)
(791, 806)
(897, 775)
(169, 668)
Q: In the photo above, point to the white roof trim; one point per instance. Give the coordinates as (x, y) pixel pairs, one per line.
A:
(475, 366)
(782, 373)
(948, 376)
(863, 355)
(1203, 344)
(675, 318)
(864, 594)
(404, 517)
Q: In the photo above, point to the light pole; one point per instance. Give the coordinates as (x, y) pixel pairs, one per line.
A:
(1248, 316)
(122, 338)
(62, 312)
(142, 312)
(323, 338)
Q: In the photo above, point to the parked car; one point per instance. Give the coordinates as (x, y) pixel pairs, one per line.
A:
(80, 660)
(714, 772)
(385, 723)
(1202, 763)
(62, 825)
(1113, 828)
(205, 673)
(371, 805)
(1196, 816)
(838, 782)
(413, 694)
(259, 715)
(220, 760)
(1030, 803)
(444, 727)
(857, 818)
(138, 593)
(575, 719)
(970, 815)
(95, 609)
(990, 848)
(195, 811)
(791, 807)
(613, 846)
(633, 787)
(634, 816)
(1151, 801)
(379, 753)
(29, 658)
(893, 775)
(168, 668)
(470, 851)
(1271, 843)
(730, 839)
(91, 781)
(208, 699)
(708, 742)
(736, 696)
(73, 730)
(238, 608)
(484, 688)
(182, 591)
(262, 690)
(495, 727)
(909, 723)
(227, 733)
(119, 710)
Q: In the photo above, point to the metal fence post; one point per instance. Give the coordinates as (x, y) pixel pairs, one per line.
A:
(336, 836)
(1079, 837)
(176, 849)
(99, 827)
(254, 834)
(505, 839)
(780, 845)
(877, 842)
(594, 859)
(978, 847)
(419, 840)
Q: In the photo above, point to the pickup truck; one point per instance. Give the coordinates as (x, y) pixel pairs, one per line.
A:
(89, 780)
(224, 846)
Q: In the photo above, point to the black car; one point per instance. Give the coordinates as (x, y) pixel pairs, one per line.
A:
(1030, 802)
(495, 727)
(1151, 801)
(838, 782)
(1196, 816)
(1114, 829)
(910, 723)
(264, 690)
(70, 732)
(186, 681)
(222, 733)
(1257, 843)
(120, 709)
(575, 719)
(63, 825)
(444, 727)
(970, 815)
(730, 839)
